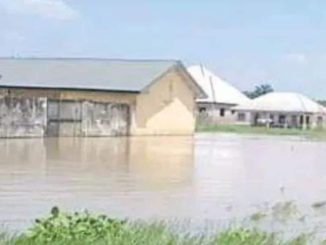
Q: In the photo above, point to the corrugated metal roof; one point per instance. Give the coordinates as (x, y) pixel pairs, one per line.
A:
(75, 73)
(217, 90)
(283, 102)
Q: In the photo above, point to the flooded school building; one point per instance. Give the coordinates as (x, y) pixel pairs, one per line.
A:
(95, 97)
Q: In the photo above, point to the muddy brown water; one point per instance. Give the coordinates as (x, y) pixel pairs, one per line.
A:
(206, 177)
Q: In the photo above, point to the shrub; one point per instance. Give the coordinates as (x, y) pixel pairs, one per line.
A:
(82, 227)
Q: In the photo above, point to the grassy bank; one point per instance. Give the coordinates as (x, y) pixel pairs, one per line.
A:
(239, 129)
(85, 228)
(159, 235)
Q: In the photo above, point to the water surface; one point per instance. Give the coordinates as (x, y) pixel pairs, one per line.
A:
(206, 177)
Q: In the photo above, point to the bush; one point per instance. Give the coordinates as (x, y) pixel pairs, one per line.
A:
(82, 227)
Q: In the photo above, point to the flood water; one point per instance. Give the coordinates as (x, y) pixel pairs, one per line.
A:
(206, 177)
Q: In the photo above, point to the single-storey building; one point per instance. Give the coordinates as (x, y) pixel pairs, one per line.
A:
(95, 97)
(287, 110)
(217, 107)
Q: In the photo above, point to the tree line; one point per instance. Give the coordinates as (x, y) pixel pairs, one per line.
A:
(259, 90)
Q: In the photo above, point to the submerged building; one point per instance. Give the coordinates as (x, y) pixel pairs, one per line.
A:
(217, 107)
(95, 97)
(289, 110)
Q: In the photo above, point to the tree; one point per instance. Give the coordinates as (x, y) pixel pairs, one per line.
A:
(322, 102)
(259, 91)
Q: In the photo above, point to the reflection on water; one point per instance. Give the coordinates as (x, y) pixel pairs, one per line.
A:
(206, 177)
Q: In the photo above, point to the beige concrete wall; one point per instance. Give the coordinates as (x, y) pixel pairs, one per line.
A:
(89, 113)
(30, 93)
(167, 108)
(120, 98)
(125, 98)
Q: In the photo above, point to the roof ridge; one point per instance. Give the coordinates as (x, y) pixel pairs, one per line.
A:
(299, 96)
(220, 78)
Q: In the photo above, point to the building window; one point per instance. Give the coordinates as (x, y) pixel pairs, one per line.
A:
(241, 117)
(282, 119)
(222, 112)
(202, 109)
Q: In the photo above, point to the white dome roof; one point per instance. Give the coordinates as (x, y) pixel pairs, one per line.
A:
(217, 90)
(283, 102)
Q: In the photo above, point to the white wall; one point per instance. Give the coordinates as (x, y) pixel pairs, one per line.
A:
(219, 114)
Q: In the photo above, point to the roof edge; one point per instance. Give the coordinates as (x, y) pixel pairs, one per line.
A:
(195, 87)
(201, 94)
(70, 89)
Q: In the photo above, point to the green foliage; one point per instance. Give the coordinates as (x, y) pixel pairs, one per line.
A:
(259, 91)
(245, 237)
(75, 227)
(322, 102)
(301, 240)
(83, 228)
(313, 134)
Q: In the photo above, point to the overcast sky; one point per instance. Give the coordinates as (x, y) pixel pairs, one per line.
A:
(246, 42)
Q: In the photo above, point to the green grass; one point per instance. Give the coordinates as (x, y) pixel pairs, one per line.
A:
(160, 234)
(85, 228)
(318, 134)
